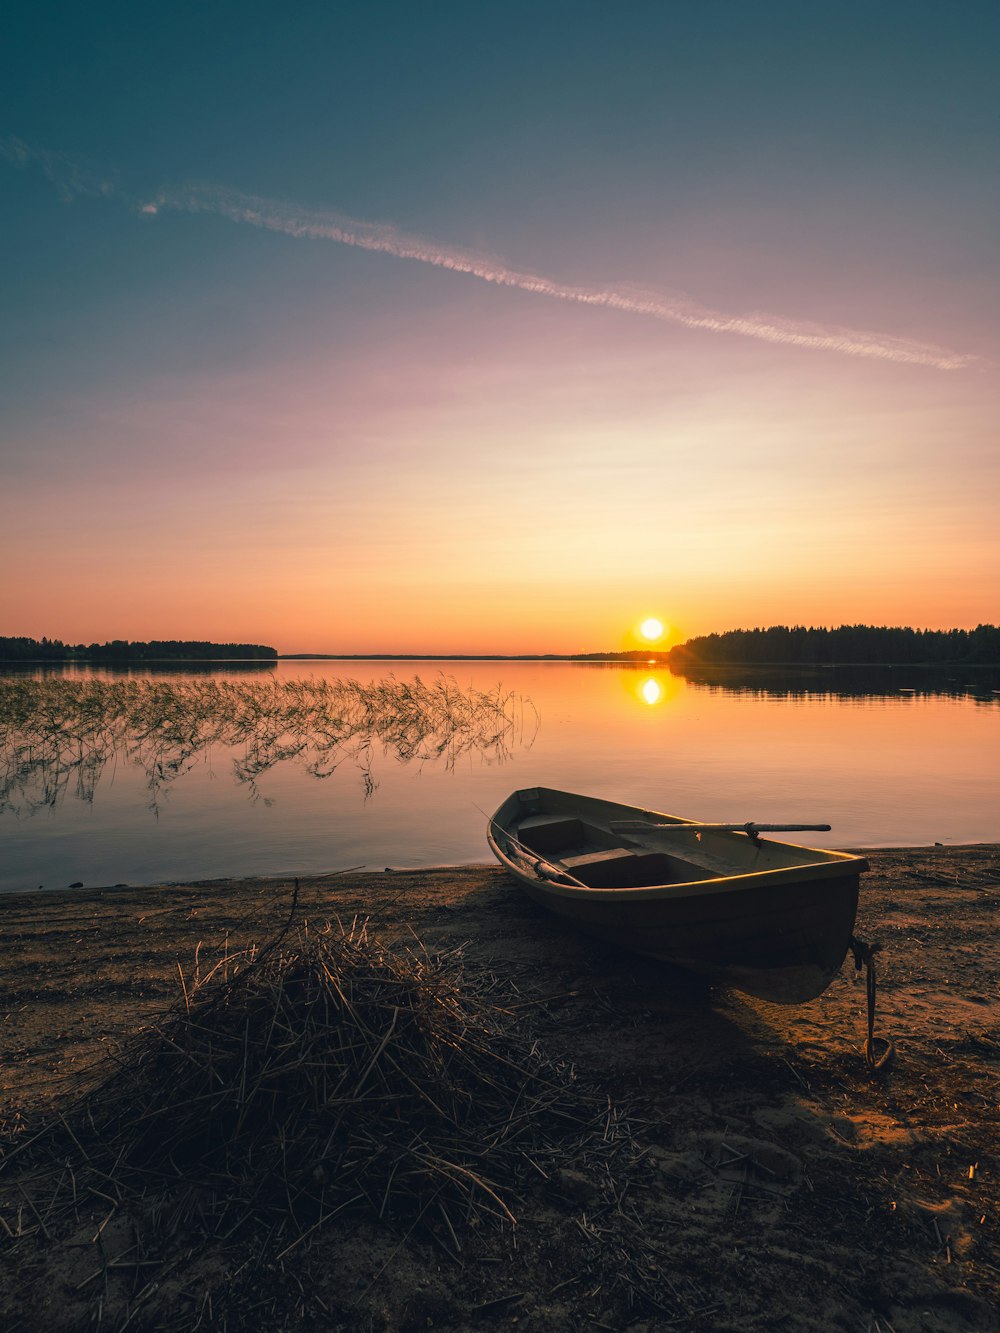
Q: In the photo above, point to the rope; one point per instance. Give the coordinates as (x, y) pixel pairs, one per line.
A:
(879, 1051)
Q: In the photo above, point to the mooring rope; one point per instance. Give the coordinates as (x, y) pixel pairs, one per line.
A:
(879, 1051)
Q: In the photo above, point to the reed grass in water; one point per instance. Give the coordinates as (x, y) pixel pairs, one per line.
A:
(59, 735)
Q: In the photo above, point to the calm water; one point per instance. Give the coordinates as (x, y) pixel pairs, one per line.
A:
(889, 757)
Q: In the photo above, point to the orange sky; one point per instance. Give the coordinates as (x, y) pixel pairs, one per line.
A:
(542, 491)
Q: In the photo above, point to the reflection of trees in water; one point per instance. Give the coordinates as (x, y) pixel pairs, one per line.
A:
(981, 684)
(58, 735)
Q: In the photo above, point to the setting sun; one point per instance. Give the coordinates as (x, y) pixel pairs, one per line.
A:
(651, 629)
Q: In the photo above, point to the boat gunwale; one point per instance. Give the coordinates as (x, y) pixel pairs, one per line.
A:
(817, 870)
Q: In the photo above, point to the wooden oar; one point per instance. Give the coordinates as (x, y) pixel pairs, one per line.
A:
(538, 863)
(536, 860)
(644, 825)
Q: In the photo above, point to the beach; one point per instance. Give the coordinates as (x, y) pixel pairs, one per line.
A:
(763, 1176)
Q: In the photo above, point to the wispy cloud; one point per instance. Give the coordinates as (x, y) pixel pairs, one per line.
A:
(70, 177)
(273, 215)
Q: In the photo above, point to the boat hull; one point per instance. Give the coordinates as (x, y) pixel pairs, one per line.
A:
(778, 927)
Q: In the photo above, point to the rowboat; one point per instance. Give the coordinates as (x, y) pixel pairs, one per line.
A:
(769, 918)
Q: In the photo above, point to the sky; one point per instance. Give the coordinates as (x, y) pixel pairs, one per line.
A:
(354, 327)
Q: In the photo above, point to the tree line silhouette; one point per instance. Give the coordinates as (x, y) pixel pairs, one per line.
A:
(855, 645)
(777, 645)
(22, 649)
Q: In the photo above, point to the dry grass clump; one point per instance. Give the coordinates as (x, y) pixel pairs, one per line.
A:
(322, 1073)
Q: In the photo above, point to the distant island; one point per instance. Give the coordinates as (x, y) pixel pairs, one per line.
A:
(23, 649)
(777, 645)
(637, 655)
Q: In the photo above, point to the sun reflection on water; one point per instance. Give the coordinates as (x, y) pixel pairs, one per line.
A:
(653, 688)
(651, 691)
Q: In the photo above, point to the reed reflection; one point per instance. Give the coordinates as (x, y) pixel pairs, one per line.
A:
(60, 735)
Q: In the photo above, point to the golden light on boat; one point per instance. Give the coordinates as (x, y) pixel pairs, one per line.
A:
(651, 629)
(651, 691)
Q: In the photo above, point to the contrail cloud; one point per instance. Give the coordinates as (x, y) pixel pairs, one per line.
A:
(71, 179)
(272, 215)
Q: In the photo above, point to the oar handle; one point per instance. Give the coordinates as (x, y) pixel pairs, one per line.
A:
(644, 825)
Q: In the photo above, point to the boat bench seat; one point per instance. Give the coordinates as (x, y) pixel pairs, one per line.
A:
(597, 858)
(550, 833)
(598, 869)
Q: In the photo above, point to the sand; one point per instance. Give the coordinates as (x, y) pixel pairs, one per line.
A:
(771, 1180)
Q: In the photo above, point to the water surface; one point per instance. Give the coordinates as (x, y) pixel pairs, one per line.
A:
(888, 757)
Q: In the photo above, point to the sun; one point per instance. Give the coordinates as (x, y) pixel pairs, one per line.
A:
(651, 629)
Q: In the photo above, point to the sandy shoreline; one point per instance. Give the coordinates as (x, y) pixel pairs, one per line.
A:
(776, 1182)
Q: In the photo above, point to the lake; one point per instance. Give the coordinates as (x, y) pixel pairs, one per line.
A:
(315, 766)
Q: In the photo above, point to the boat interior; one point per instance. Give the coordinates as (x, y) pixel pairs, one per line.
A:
(600, 859)
(582, 840)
